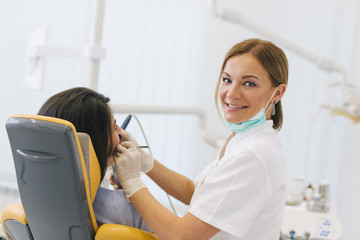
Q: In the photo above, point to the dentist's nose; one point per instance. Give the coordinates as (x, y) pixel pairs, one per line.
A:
(233, 92)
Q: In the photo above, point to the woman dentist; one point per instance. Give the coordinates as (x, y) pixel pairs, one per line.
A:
(241, 195)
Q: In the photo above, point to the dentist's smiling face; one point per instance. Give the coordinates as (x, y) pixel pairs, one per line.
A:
(246, 88)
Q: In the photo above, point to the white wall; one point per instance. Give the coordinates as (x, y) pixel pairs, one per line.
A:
(68, 27)
(170, 53)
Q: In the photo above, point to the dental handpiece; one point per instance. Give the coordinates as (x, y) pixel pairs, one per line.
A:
(125, 123)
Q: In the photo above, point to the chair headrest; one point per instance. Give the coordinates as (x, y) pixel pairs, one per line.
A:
(91, 162)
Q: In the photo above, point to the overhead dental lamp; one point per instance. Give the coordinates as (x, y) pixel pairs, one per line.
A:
(341, 97)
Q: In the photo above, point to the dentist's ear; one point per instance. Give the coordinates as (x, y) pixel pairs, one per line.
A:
(280, 92)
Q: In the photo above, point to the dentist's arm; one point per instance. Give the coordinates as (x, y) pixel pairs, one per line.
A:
(175, 184)
(163, 222)
(167, 225)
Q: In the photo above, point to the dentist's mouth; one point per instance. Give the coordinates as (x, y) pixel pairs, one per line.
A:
(235, 106)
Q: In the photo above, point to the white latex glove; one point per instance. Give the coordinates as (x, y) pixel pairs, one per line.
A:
(147, 161)
(128, 168)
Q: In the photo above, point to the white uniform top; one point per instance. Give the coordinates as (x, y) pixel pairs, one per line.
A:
(112, 206)
(243, 194)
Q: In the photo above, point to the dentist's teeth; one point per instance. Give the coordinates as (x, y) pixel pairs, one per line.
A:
(233, 106)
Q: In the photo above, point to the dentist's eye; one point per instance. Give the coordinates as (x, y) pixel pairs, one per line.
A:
(250, 84)
(226, 80)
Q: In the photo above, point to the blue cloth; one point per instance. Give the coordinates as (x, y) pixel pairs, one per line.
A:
(111, 206)
(257, 120)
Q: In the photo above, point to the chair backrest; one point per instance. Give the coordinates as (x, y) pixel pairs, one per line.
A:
(53, 178)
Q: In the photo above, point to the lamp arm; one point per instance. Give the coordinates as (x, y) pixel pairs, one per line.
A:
(325, 64)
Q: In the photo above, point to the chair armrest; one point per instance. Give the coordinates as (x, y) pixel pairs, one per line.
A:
(116, 232)
(15, 212)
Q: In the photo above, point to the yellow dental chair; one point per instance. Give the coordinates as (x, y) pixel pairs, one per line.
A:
(58, 175)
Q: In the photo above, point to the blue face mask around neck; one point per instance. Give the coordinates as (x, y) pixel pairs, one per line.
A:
(242, 127)
(257, 120)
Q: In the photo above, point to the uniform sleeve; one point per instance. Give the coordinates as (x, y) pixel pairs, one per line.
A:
(233, 194)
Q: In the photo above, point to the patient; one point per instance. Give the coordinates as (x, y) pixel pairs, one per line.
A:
(89, 112)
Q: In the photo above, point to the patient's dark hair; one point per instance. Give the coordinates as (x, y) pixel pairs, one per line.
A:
(89, 112)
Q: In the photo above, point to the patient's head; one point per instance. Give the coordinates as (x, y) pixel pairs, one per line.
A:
(90, 113)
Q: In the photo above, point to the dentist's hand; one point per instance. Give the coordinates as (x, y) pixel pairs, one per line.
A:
(128, 168)
(147, 161)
